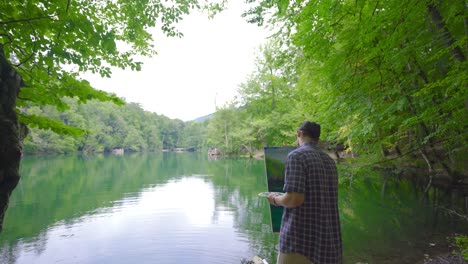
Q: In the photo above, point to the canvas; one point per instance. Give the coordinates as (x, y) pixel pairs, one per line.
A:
(275, 158)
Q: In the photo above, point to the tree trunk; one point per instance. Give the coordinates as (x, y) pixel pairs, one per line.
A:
(226, 142)
(10, 133)
(445, 34)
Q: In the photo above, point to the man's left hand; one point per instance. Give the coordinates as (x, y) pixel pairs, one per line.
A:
(271, 198)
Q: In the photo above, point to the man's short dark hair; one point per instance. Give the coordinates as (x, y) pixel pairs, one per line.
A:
(310, 129)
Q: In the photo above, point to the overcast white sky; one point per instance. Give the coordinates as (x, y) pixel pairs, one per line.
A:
(192, 75)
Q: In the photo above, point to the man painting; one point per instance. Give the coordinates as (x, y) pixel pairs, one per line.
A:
(310, 228)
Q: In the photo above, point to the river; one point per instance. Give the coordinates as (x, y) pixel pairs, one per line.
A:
(184, 208)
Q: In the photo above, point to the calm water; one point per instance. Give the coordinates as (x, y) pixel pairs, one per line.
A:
(182, 208)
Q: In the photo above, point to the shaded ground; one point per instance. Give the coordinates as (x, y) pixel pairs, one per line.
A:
(448, 259)
(445, 252)
(434, 249)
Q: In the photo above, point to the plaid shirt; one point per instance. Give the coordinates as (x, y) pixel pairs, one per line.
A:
(312, 229)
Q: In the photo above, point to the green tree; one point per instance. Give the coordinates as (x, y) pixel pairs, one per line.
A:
(270, 96)
(386, 77)
(134, 141)
(109, 126)
(170, 132)
(44, 45)
(221, 130)
(194, 135)
(151, 133)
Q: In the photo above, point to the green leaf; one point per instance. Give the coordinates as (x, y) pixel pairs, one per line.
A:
(54, 125)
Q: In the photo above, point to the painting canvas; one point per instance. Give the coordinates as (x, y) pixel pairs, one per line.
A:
(275, 158)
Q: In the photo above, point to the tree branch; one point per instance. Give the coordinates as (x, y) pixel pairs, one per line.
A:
(24, 20)
(446, 36)
(410, 151)
(375, 7)
(453, 212)
(68, 6)
(25, 99)
(34, 46)
(7, 36)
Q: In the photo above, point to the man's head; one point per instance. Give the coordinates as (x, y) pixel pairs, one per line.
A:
(308, 131)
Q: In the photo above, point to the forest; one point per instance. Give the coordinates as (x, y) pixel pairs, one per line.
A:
(386, 79)
(104, 126)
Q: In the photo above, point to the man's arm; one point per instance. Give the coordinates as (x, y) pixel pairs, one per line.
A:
(288, 200)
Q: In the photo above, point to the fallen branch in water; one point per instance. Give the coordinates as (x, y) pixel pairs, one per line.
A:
(450, 211)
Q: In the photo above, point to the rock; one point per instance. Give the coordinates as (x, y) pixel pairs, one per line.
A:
(255, 260)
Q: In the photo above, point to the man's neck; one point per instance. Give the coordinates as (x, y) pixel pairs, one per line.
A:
(305, 141)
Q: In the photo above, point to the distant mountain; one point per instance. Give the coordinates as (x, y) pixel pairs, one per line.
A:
(203, 118)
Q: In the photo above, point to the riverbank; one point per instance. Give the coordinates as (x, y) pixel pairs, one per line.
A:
(444, 253)
(434, 250)
(431, 249)
(448, 258)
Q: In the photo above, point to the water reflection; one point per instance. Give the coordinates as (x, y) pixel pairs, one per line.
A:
(183, 208)
(146, 207)
(168, 223)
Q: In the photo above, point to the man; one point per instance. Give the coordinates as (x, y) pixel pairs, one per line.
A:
(310, 228)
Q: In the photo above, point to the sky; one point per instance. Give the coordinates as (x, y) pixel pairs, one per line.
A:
(192, 75)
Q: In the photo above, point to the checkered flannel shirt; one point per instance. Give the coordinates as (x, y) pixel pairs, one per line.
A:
(312, 229)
